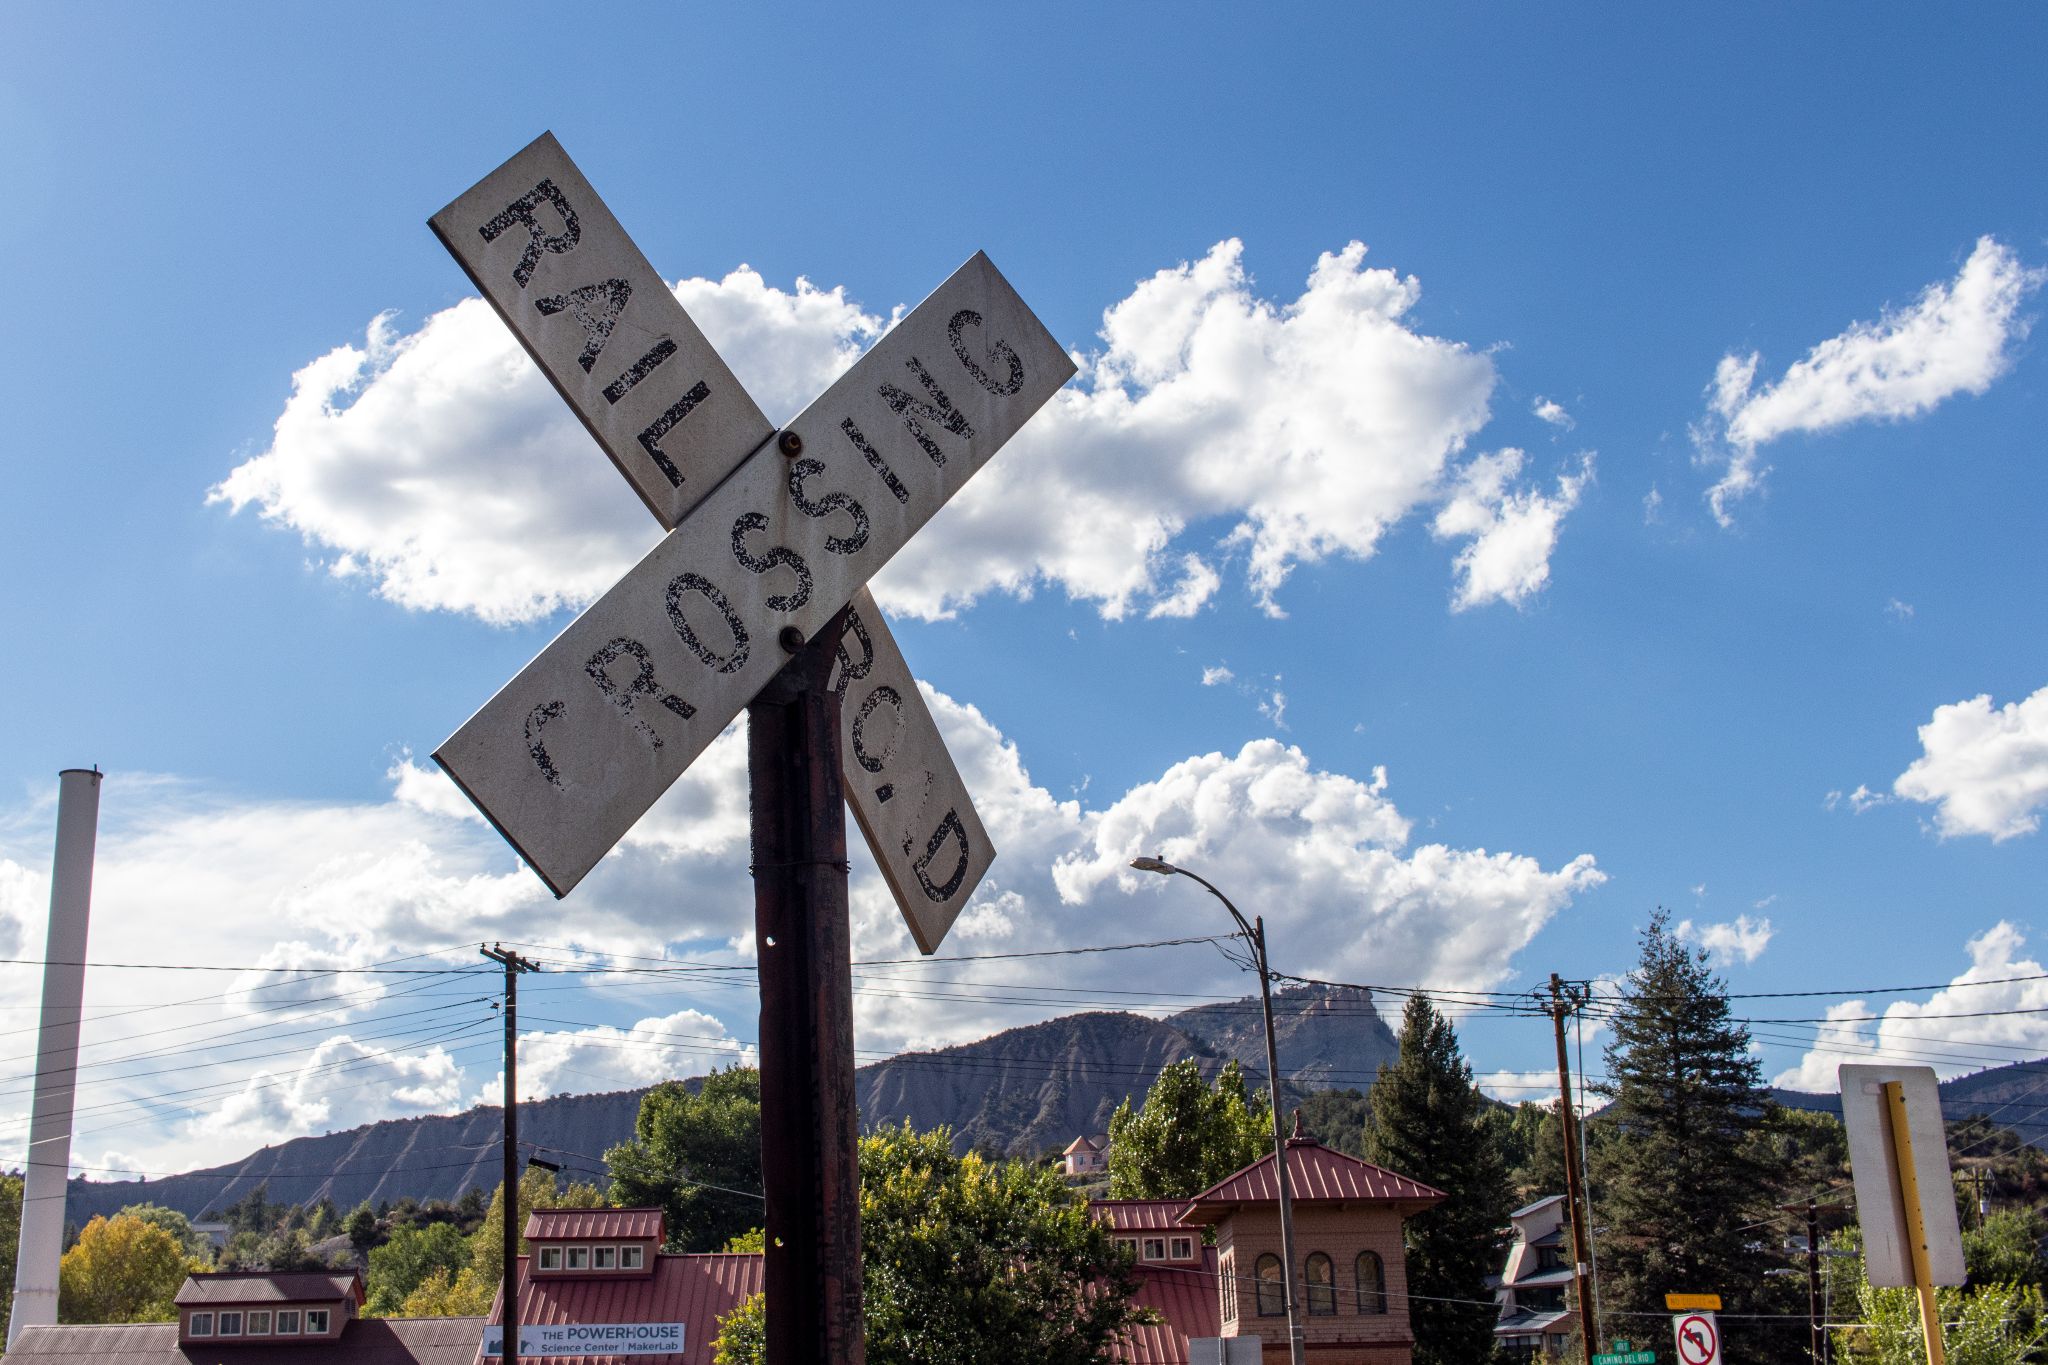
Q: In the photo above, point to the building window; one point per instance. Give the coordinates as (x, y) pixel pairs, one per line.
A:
(288, 1322)
(604, 1258)
(259, 1324)
(202, 1325)
(1549, 1258)
(1155, 1248)
(1322, 1286)
(629, 1258)
(1372, 1283)
(550, 1258)
(1272, 1293)
(316, 1322)
(231, 1324)
(579, 1258)
(1226, 1276)
(1129, 1244)
(1183, 1248)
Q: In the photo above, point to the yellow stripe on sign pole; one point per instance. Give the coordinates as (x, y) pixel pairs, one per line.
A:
(1679, 1303)
(1916, 1218)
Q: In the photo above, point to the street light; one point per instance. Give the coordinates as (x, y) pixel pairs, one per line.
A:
(1254, 934)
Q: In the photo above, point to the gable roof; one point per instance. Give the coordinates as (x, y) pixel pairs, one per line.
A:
(244, 1286)
(1316, 1175)
(1185, 1300)
(1134, 1215)
(695, 1290)
(623, 1224)
(1080, 1144)
(364, 1341)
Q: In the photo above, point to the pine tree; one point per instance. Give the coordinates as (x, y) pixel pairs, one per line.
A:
(1428, 1122)
(1681, 1190)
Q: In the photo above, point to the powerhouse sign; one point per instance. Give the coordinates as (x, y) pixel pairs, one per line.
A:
(590, 1339)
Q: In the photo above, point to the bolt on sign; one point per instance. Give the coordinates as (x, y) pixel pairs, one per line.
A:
(768, 536)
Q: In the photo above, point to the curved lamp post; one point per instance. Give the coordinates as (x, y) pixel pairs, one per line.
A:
(1254, 933)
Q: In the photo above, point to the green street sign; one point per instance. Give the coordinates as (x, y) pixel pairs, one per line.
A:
(1627, 1358)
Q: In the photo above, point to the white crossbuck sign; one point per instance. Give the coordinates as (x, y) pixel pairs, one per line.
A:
(767, 531)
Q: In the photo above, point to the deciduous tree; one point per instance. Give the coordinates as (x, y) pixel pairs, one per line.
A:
(1187, 1135)
(697, 1157)
(121, 1269)
(968, 1261)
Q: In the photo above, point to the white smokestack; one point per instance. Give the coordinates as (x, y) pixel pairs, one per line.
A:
(49, 1133)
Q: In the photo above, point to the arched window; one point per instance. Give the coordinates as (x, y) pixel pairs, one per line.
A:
(1372, 1283)
(1272, 1294)
(1322, 1286)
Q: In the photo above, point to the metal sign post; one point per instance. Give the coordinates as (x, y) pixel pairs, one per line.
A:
(756, 599)
(1910, 1198)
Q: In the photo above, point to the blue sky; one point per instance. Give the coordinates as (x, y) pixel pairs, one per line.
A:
(1491, 671)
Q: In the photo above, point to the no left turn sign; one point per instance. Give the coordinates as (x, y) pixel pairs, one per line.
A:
(1699, 1340)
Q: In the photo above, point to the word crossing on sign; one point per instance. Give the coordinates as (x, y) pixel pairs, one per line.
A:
(932, 850)
(574, 749)
(1699, 1340)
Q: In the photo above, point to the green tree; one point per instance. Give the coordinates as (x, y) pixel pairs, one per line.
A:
(1993, 1324)
(10, 1238)
(697, 1157)
(447, 1291)
(121, 1269)
(968, 1261)
(402, 1264)
(1187, 1135)
(1680, 1181)
(2005, 1248)
(362, 1228)
(1428, 1122)
(175, 1223)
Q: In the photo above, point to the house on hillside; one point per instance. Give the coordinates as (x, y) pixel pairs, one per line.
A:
(1351, 1273)
(1085, 1156)
(280, 1319)
(1535, 1319)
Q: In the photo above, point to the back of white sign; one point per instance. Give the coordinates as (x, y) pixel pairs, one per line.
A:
(1887, 1258)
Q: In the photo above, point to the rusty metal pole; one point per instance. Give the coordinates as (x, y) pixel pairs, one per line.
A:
(809, 1123)
(508, 1293)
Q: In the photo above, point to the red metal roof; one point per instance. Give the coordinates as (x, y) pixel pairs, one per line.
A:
(1140, 1215)
(693, 1290)
(1316, 1175)
(622, 1224)
(1185, 1299)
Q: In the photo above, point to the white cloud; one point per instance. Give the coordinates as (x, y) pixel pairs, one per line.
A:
(1653, 507)
(1985, 771)
(1548, 410)
(1955, 338)
(1902, 610)
(379, 1083)
(1859, 800)
(1219, 674)
(439, 466)
(599, 1058)
(279, 886)
(1512, 530)
(1741, 939)
(24, 900)
(1929, 1032)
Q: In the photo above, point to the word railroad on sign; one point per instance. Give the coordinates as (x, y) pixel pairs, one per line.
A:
(770, 535)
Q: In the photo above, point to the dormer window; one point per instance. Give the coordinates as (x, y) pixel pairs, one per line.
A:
(288, 1322)
(630, 1258)
(604, 1258)
(1183, 1248)
(1155, 1248)
(231, 1324)
(202, 1324)
(316, 1322)
(550, 1258)
(579, 1258)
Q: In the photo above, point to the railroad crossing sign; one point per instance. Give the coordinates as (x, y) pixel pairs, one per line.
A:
(768, 538)
(1699, 1340)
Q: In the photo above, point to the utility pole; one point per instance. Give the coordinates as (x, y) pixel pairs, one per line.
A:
(513, 964)
(1560, 1006)
(1813, 1278)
